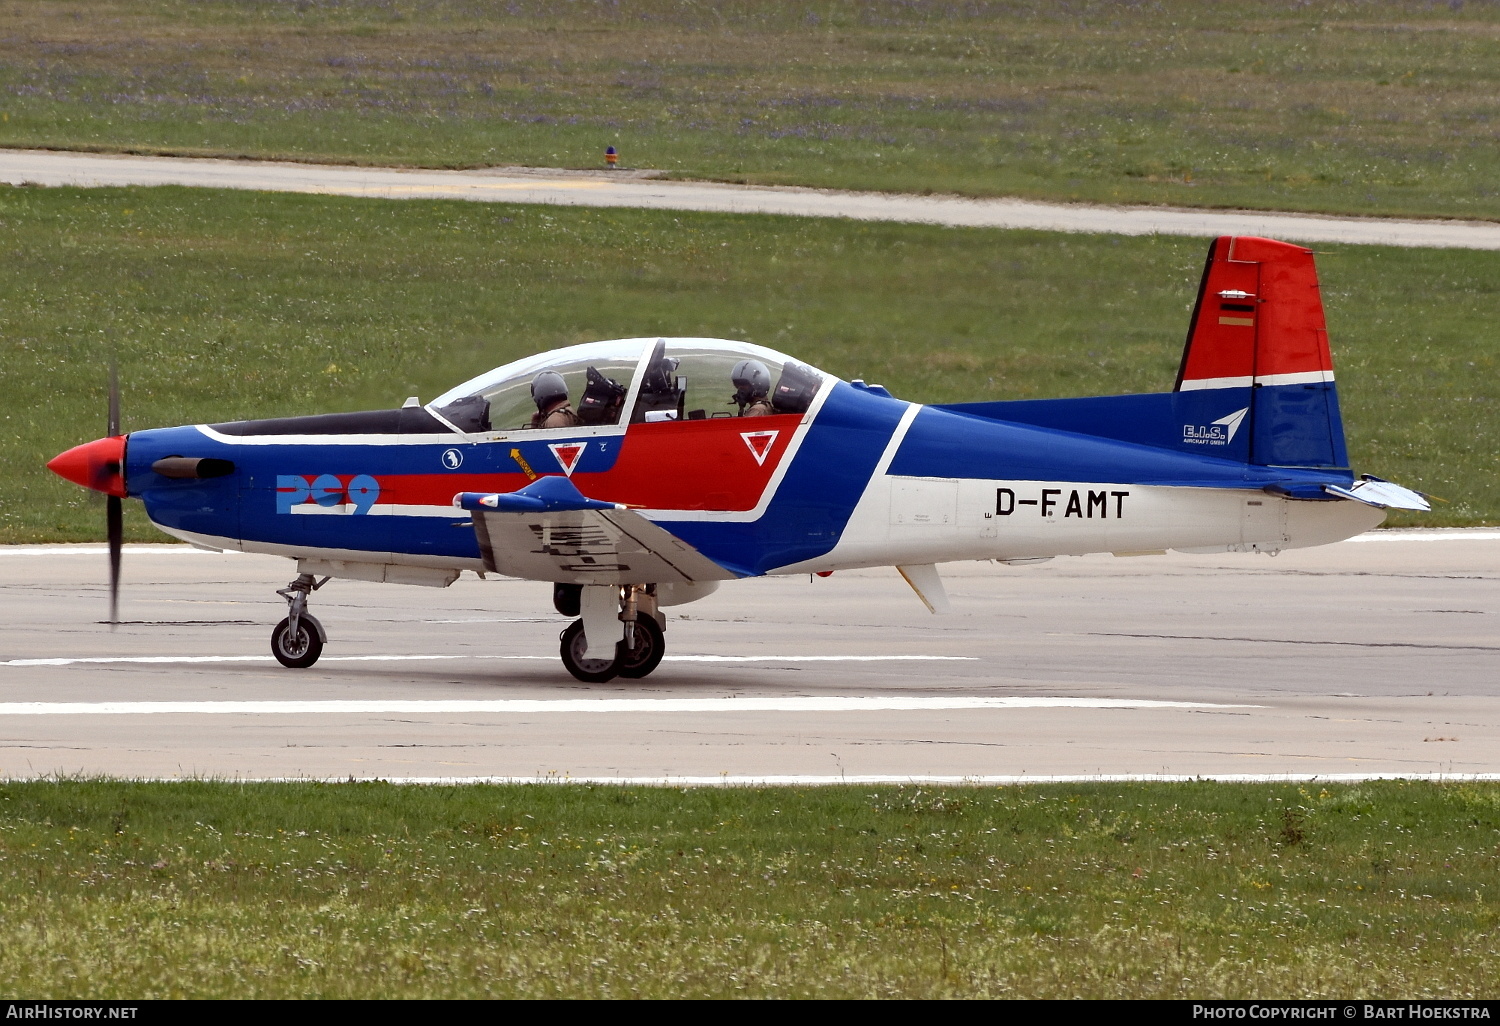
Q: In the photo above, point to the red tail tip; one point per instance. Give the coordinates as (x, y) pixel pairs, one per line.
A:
(1259, 318)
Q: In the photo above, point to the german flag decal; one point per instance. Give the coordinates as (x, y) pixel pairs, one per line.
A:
(1237, 314)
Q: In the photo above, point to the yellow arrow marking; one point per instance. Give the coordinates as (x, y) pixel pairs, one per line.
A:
(515, 454)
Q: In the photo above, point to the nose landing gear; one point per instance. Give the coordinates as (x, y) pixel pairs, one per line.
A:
(637, 653)
(298, 640)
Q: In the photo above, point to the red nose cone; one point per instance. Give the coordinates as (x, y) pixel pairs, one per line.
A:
(99, 465)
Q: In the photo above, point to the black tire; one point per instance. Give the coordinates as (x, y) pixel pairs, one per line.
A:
(645, 655)
(300, 652)
(566, 598)
(590, 671)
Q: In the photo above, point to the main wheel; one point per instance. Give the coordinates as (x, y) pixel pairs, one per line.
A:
(647, 651)
(590, 671)
(296, 652)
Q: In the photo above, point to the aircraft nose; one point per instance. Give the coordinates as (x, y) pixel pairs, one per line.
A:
(99, 465)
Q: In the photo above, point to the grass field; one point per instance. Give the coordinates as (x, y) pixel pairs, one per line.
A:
(1369, 107)
(231, 305)
(375, 890)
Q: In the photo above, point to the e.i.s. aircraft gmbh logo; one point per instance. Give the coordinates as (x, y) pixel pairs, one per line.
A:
(1220, 432)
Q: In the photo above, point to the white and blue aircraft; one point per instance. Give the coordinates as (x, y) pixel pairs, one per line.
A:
(624, 474)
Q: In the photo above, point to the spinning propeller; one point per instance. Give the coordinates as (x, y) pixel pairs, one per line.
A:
(114, 504)
(100, 465)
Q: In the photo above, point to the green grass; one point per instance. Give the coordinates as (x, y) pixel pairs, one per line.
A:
(1112, 890)
(1371, 107)
(232, 305)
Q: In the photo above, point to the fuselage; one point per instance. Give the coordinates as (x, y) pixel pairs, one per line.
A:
(859, 479)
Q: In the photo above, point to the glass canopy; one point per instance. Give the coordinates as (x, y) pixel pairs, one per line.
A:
(654, 379)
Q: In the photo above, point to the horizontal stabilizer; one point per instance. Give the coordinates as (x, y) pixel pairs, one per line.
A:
(1373, 491)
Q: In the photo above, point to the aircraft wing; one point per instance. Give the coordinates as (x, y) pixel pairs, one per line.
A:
(548, 531)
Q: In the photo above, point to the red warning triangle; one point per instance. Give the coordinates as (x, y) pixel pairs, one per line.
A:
(567, 454)
(760, 443)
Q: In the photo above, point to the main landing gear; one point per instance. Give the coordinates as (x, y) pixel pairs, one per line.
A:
(640, 647)
(298, 640)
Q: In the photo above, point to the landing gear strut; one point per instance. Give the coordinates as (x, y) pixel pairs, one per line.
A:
(634, 656)
(298, 640)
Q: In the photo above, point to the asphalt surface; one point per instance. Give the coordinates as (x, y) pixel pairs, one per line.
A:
(638, 189)
(1364, 658)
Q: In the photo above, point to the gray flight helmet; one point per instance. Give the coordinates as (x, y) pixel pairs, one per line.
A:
(751, 381)
(547, 388)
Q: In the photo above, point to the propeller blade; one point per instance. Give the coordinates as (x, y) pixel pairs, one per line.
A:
(114, 508)
(114, 513)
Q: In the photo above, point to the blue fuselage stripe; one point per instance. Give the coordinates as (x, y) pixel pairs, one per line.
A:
(813, 504)
(953, 443)
(1273, 425)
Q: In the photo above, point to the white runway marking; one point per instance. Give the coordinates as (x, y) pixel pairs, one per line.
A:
(103, 660)
(512, 706)
(170, 549)
(499, 619)
(822, 659)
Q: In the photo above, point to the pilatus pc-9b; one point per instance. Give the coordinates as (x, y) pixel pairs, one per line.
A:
(619, 472)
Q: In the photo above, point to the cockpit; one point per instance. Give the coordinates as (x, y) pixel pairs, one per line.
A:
(631, 381)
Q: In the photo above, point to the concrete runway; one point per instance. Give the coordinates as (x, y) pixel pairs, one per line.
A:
(639, 189)
(1365, 658)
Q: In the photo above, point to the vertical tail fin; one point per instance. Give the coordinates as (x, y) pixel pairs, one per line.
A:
(1258, 325)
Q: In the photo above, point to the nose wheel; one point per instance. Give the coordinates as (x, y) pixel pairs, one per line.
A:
(298, 640)
(296, 649)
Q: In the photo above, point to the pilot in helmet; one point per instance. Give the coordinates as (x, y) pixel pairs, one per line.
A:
(752, 383)
(550, 393)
